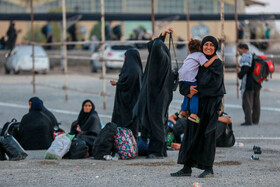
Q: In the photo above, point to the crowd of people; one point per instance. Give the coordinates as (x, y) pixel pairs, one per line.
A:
(142, 100)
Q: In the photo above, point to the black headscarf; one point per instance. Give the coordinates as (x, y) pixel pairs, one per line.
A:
(46, 111)
(83, 116)
(210, 39)
(128, 89)
(36, 104)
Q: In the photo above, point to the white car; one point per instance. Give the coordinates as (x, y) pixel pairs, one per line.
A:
(230, 51)
(20, 59)
(114, 55)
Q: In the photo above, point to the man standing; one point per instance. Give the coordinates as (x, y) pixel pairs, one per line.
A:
(250, 89)
(49, 34)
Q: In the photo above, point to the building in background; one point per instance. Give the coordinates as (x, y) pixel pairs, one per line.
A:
(199, 7)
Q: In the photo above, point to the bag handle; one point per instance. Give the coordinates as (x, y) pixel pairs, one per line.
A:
(12, 122)
(171, 42)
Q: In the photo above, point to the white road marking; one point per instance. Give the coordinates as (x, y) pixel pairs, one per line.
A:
(51, 109)
(239, 106)
(109, 116)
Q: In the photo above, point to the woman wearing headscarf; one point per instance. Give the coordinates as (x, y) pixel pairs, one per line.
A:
(88, 124)
(36, 130)
(199, 144)
(46, 111)
(127, 91)
(155, 96)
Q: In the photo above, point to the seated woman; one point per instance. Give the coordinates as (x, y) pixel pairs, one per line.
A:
(46, 111)
(36, 129)
(88, 124)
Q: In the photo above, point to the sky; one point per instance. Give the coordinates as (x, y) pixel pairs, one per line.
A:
(272, 6)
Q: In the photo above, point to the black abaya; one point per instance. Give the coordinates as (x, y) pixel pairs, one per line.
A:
(155, 96)
(199, 143)
(127, 90)
(36, 130)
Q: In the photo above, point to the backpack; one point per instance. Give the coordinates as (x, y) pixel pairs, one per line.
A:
(262, 68)
(224, 135)
(125, 143)
(104, 142)
(78, 149)
(44, 30)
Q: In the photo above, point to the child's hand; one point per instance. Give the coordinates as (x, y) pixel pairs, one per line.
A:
(216, 57)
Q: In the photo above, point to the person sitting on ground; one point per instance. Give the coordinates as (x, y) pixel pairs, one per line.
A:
(47, 112)
(187, 74)
(88, 124)
(36, 129)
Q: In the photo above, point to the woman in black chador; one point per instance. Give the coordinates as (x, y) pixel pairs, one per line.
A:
(46, 111)
(36, 129)
(88, 125)
(199, 146)
(127, 91)
(155, 96)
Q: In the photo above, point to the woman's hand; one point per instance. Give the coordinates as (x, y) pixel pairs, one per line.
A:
(113, 83)
(167, 30)
(192, 91)
(79, 128)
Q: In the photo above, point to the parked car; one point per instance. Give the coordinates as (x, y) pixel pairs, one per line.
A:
(114, 55)
(20, 59)
(230, 51)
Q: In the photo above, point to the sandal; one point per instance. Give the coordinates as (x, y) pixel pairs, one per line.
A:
(197, 120)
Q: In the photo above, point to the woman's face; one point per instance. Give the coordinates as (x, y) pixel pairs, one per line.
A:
(87, 107)
(208, 48)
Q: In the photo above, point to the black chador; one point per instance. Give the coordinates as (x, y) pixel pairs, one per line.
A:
(199, 145)
(127, 90)
(36, 129)
(155, 96)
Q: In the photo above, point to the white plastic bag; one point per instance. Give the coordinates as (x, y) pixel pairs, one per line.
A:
(59, 147)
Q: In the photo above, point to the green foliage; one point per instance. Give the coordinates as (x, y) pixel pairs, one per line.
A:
(38, 36)
(96, 30)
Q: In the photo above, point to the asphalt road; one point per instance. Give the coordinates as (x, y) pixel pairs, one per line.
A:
(232, 167)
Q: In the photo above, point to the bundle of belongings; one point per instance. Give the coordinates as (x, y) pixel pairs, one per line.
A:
(9, 146)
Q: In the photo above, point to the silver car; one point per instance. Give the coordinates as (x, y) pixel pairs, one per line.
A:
(20, 59)
(114, 55)
(230, 51)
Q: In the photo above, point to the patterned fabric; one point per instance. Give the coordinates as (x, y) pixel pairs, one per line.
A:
(125, 143)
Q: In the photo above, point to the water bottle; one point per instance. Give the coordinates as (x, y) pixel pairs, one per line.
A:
(239, 144)
(107, 157)
(197, 184)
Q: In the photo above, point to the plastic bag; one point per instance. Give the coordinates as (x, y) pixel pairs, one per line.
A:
(59, 147)
(12, 148)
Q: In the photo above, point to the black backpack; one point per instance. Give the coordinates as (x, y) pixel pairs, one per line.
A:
(104, 143)
(78, 149)
(224, 135)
